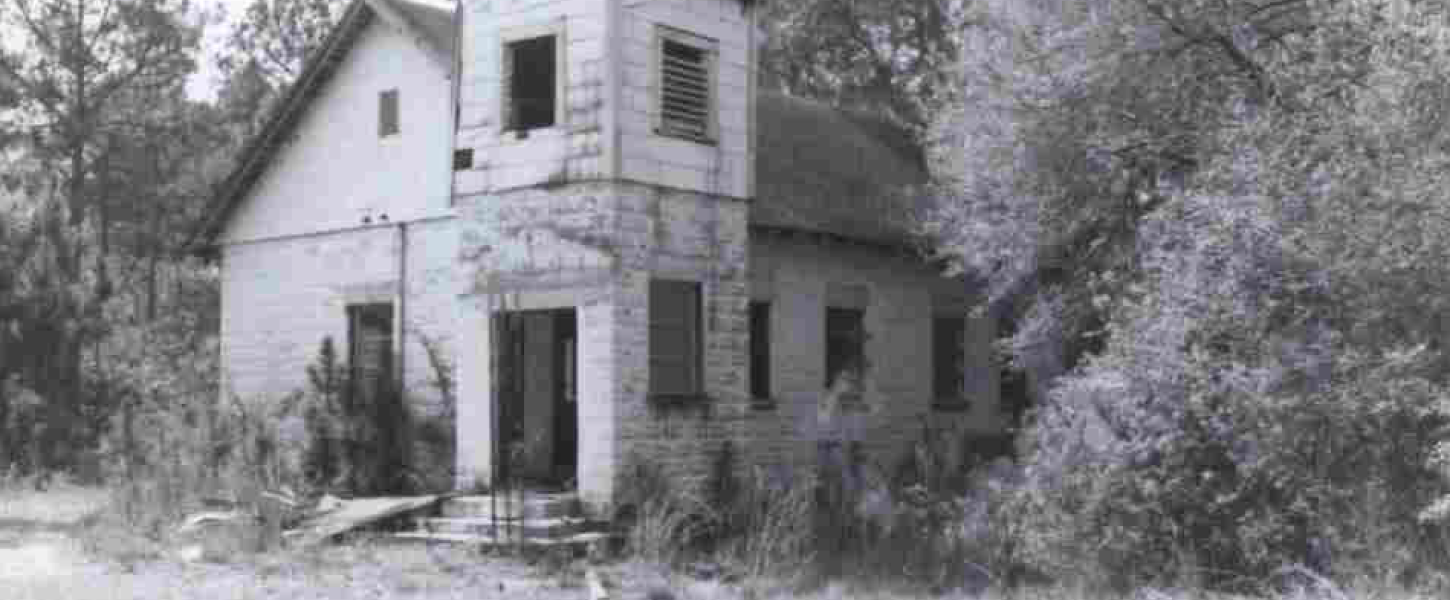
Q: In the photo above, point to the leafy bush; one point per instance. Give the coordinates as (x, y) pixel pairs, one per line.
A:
(357, 443)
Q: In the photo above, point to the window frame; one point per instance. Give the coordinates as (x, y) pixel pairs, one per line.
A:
(956, 399)
(694, 344)
(354, 313)
(858, 314)
(509, 37)
(665, 34)
(390, 98)
(761, 384)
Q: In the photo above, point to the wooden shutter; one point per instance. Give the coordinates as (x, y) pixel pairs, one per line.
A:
(388, 113)
(948, 355)
(686, 90)
(760, 350)
(674, 338)
(370, 348)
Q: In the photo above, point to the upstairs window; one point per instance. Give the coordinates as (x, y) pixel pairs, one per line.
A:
(947, 357)
(531, 83)
(675, 342)
(388, 113)
(686, 86)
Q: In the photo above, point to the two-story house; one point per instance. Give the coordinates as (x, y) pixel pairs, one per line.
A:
(624, 246)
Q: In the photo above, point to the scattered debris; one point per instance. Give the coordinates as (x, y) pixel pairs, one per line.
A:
(200, 521)
(326, 504)
(354, 514)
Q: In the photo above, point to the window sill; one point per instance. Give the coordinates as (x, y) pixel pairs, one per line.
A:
(675, 400)
(951, 405)
(524, 135)
(852, 403)
(763, 404)
(665, 133)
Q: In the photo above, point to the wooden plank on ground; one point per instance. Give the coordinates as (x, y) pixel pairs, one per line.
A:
(355, 514)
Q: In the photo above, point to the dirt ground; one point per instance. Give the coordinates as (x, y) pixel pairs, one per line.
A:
(47, 552)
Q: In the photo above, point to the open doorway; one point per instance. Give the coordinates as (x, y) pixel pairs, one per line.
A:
(538, 404)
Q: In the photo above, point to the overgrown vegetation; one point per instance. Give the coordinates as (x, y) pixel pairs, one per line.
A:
(1216, 230)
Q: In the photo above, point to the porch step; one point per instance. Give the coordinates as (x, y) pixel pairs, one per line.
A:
(530, 506)
(578, 540)
(526, 528)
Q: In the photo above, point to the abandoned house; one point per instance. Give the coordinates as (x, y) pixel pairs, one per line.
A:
(623, 245)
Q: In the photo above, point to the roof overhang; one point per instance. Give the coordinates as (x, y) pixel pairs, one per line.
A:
(286, 114)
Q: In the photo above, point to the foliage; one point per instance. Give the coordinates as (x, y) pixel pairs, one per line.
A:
(1220, 229)
(358, 443)
(97, 142)
(890, 57)
(272, 39)
(665, 521)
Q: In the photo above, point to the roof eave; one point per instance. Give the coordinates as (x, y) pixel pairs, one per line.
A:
(258, 152)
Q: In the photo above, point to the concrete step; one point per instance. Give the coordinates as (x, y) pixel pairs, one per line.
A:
(528, 528)
(529, 506)
(578, 540)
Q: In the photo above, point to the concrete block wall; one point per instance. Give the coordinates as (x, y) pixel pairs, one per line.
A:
(336, 171)
(607, 127)
(794, 273)
(692, 237)
(281, 297)
(575, 148)
(595, 247)
(724, 167)
(535, 249)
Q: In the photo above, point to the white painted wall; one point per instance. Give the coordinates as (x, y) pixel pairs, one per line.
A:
(280, 298)
(335, 171)
(607, 130)
(723, 168)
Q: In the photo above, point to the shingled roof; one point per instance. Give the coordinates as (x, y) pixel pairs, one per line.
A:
(819, 169)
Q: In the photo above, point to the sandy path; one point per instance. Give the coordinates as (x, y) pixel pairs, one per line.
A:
(39, 556)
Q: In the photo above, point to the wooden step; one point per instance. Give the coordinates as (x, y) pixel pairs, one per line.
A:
(580, 540)
(529, 528)
(529, 506)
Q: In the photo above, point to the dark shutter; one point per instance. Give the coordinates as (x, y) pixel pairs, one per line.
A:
(388, 113)
(674, 338)
(531, 73)
(845, 343)
(370, 348)
(685, 91)
(760, 350)
(948, 354)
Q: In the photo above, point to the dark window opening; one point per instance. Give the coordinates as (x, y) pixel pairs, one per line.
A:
(531, 74)
(462, 159)
(760, 351)
(370, 349)
(388, 113)
(948, 356)
(845, 349)
(675, 341)
(685, 91)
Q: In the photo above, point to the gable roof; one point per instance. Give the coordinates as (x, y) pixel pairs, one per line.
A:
(431, 25)
(819, 169)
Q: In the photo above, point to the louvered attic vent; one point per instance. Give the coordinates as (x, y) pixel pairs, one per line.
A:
(686, 90)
